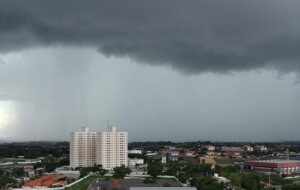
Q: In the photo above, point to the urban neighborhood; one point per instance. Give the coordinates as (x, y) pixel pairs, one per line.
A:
(105, 160)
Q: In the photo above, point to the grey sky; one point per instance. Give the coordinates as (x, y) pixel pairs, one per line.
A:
(167, 70)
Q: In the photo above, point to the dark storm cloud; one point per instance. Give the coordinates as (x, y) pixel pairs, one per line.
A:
(190, 36)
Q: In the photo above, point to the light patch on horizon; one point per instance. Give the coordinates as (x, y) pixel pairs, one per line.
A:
(7, 114)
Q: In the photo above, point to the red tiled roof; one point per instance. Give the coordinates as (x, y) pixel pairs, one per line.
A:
(46, 181)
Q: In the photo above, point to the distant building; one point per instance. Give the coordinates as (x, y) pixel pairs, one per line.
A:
(149, 153)
(261, 148)
(207, 160)
(6, 163)
(211, 148)
(173, 158)
(29, 169)
(134, 151)
(134, 162)
(213, 154)
(164, 160)
(170, 147)
(190, 154)
(112, 148)
(68, 172)
(234, 152)
(274, 166)
(174, 153)
(248, 148)
(83, 148)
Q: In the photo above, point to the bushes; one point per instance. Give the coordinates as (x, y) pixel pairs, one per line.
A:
(206, 183)
(121, 171)
(5, 180)
(155, 168)
(251, 181)
(291, 187)
(149, 180)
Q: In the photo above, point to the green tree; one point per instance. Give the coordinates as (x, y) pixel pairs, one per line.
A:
(1, 172)
(206, 183)
(276, 179)
(5, 181)
(182, 178)
(154, 168)
(235, 179)
(50, 167)
(18, 172)
(291, 187)
(226, 170)
(149, 180)
(121, 171)
(193, 170)
(64, 162)
(251, 181)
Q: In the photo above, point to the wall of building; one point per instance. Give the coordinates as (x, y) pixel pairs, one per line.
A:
(108, 148)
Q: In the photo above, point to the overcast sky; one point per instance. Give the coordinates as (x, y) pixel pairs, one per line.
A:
(161, 70)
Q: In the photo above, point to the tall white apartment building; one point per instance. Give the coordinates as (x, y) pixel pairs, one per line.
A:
(83, 148)
(112, 148)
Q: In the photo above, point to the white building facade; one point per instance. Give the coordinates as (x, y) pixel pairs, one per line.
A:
(112, 148)
(109, 148)
(83, 148)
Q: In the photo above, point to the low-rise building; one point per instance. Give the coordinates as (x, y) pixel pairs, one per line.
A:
(248, 148)
(190, 154)
(261, 148)
(211, 148)
(234, 152)
(209, 161)
(134, 151)
(46, 182)
(173, 158)
(29, 169)
(274, 166)
(134, 162)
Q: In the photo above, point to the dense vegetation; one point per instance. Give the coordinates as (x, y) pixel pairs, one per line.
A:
(34, 149)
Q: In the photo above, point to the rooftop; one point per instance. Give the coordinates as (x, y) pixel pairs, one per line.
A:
(46, 181)
(275, 161)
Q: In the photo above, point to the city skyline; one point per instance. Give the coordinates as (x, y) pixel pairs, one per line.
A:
(219, 71)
